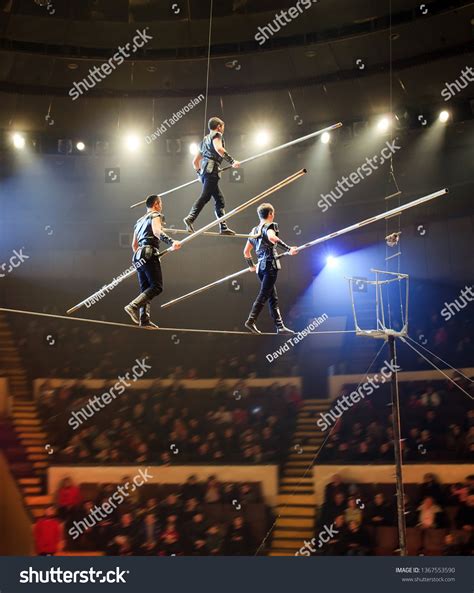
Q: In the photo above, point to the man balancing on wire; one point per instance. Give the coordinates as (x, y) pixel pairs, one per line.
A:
(206, 164)
(146, 242)
(265, 245)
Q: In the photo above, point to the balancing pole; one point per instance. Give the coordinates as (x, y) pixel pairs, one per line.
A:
(252, 158)
(348, 229)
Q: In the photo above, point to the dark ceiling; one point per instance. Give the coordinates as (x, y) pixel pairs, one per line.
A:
(334, 60)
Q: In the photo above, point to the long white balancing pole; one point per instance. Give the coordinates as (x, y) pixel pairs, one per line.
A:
(242, 207)
(252, 158)
(131, 271)
(348, 229)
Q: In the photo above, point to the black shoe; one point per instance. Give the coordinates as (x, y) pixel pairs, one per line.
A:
(282, 329)
(227, 231)
(148, 325)
(189, 224)
(133, 311)
(250, 325)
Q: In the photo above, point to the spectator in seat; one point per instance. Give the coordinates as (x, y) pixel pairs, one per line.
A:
(133, 498)
(239, 541)
(213, 491)
(429, 516)
(352, 512)
(455, 441)
(379, 513)
(126, 527)
(48, 534)
(465, 515)
(191, 489)
(191, 507)
(357, 540)
(334, 486)
(430, 398)
(196, 530)
(333, 508)
(68, 499)
(337, 545)
(247, 495)
(431, 487)
(120, 546)
(214, 540)
(149, 535)
(169, 506)
(451, 546)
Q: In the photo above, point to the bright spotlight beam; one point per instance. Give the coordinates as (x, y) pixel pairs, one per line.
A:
(348, 229)
(252, 158)
(18, 141)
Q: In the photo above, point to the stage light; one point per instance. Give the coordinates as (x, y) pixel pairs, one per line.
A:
(262, 138)
(331, 261)
(18, 141)
(194, 148)
(132, 142)
(325, 138)
(444, 116)
(383, 124)
(80, 146)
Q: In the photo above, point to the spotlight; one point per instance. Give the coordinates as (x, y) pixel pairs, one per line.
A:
(444, 116)
(132, 142)
(331, 261)
(262, 138)
(80, 146)
(18, 141)
(325, 138)
(194, 148)
(383, 124)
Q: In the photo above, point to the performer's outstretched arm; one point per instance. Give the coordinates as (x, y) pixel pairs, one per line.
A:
(273, 238)
(158, 232)
(217, 142)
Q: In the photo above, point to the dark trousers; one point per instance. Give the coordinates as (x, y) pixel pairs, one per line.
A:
(150, 277)
(268, 292)
(210, 189)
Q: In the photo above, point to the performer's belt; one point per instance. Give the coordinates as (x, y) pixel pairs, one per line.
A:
(145, 252)
(209, 165)
(268, 264)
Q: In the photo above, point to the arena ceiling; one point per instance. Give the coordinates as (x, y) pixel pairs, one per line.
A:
(335, 57)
